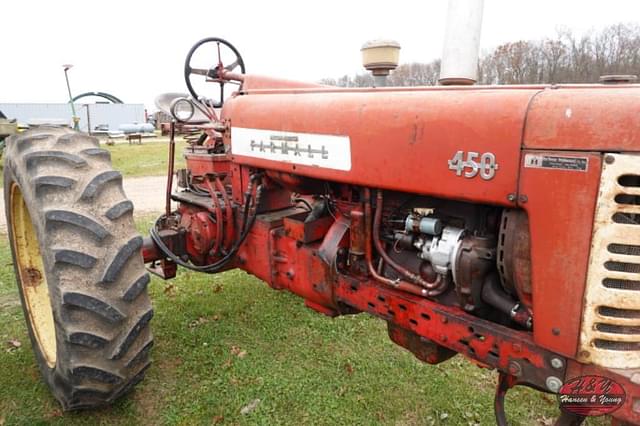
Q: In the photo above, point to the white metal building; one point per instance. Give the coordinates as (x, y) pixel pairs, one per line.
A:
(91, 115)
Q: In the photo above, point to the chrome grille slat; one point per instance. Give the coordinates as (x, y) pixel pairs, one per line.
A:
(626, 208)
(610, 334)
(627, 189)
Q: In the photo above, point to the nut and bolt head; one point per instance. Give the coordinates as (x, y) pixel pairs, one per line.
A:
(609, 159)
(553, 384)
(515, 369)
(511, 197)
(557, 363)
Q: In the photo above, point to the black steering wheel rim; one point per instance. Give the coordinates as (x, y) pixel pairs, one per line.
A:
(188, 69)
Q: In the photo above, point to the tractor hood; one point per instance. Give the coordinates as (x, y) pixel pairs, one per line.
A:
(585, 118)
(465, 142)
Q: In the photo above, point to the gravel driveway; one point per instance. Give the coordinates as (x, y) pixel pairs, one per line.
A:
(147, 194)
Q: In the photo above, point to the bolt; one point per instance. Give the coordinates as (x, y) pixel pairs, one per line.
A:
(557, 363)
(555, 331)
(444, 320)
(609, 159)
(511, 197)
(515, 369)
(553, 384)
(523, 198)
(585, 354)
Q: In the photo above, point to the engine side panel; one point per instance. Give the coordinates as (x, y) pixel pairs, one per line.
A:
(400, 141)
(560, 203)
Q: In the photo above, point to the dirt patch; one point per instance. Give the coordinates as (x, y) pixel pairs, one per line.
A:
(150, 396)
(146, 193)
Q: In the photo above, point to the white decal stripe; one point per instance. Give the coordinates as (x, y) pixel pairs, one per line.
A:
(309, 149)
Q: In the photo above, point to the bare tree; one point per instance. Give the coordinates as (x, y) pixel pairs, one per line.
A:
(563, 59)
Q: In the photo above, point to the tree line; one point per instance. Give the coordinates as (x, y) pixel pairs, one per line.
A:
(565, 58)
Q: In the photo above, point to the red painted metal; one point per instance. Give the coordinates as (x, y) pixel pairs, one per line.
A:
(306, 232)
(411, 141)
(401, 140)
(300, 269)
(596, 118)
(560, 205)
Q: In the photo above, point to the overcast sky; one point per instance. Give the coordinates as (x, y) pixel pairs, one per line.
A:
(135, 49)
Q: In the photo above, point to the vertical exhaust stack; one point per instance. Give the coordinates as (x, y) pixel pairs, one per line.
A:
(461, 43)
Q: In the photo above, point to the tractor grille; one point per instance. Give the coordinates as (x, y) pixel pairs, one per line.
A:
(610, 334)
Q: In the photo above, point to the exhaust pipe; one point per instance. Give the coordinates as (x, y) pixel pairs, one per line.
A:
(461, 43)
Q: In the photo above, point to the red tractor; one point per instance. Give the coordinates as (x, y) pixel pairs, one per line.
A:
(499, 223)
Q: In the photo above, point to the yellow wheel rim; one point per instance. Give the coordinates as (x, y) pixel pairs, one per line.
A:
(32, 278)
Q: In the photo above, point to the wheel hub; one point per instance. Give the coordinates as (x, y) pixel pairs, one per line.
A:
(32, 279)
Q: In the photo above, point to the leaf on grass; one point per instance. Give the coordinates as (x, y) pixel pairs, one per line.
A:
(217, 288)
(217, 420)
(170, 290)
(235, 350)
(54, 413)
(348, 368)
(198, 322)
(444, 415)
(250, 407)
(13, 345)
(545, 421)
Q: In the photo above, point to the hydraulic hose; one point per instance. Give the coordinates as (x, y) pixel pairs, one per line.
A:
(218, 213)
(228, 212)
(247, 224)
(435, 287)
(396, 284)
(493, 295)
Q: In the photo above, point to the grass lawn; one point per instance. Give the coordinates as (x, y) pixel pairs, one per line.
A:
(148, 159)
(225, 341)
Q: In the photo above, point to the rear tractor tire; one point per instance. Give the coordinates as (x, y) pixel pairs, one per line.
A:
(78, 265)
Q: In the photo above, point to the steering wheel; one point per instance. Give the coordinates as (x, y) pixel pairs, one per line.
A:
(215, 73)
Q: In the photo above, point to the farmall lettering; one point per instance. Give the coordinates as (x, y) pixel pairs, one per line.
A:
(281, 144)
(308, 149)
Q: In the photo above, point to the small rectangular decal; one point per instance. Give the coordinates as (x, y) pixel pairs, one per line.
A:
(308, 149)
(539, 161)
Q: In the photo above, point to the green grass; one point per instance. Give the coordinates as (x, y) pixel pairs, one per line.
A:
(148, 159)
(304, 368)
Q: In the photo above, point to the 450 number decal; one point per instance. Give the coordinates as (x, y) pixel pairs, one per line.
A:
(474, 163)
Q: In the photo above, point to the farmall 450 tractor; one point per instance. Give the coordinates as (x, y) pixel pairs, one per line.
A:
(499, 223)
